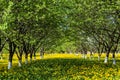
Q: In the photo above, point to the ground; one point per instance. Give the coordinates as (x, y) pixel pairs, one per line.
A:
(62, 67)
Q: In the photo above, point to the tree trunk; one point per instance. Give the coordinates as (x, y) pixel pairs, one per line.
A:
(20, 60)
(84, 56)
(1, 48)
(41, 53)
(10, 60)
(91, 55)
(114, 61)
(9, 64)
(107, 55)
(26, 58)
(12, 48)
(30, 57)
(106, 60)
(34, 56)
(99, 56)
(26, 49)
(114, 51)
(20, 63)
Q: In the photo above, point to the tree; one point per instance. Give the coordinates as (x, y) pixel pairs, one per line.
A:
(100, 21)
(29, 25)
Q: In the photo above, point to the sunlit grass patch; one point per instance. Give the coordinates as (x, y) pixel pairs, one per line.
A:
(47, 56)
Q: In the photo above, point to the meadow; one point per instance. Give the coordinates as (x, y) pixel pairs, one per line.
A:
(61, 67)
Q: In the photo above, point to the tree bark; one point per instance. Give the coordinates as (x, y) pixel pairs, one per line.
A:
(107, 55)
(41, 53)
(30, 57)
(91, 55)
(20, 60)
(26, 58)
(34, 56)
(113, 56)
(99, 56)
(20, 63)
(12, 48)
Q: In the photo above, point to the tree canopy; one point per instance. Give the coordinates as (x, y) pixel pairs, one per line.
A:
(60, 25)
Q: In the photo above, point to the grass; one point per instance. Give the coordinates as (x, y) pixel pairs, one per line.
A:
(63, 67)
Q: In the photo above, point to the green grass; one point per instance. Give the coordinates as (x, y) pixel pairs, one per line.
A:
(63, 69)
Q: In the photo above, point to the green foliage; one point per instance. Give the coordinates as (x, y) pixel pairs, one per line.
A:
(61, 25)
(46, 21)
(36, 23)
(62, 69)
